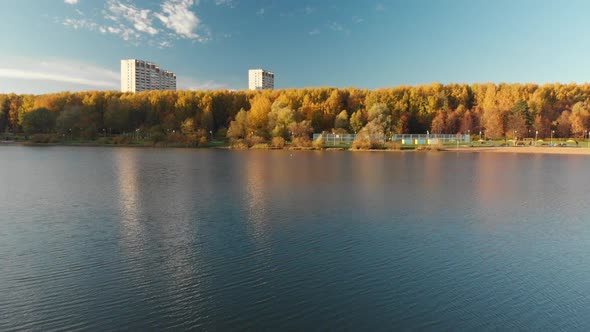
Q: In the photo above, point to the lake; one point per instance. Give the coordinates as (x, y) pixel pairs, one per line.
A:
(154, 239)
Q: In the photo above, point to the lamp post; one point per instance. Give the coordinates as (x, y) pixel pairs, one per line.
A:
(536, 134)
(552, 132)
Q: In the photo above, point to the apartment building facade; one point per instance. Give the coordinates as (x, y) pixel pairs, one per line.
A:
(260, 79)
(138, 75)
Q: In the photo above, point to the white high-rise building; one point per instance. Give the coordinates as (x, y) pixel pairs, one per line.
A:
(260, 79)
(139, 75)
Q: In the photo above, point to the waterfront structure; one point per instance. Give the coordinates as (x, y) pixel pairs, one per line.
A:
(431, 139)
(260, 79)
(139, 75)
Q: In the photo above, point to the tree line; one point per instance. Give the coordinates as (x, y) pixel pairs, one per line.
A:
(496, 110)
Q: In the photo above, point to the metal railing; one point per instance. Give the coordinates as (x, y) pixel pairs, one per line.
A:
(336, 139)
(419, 139)
(414, 139)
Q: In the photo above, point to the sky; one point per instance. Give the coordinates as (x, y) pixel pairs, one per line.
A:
(76, 45)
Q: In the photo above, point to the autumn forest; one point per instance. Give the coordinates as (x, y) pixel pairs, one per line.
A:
(498, 111)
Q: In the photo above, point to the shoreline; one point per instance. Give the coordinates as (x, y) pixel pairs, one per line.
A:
(525, 150)
(464, 149)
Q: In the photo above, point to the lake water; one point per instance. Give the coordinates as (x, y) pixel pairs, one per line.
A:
(152, 239)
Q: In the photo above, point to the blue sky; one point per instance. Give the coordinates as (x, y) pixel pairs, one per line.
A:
(55, 45)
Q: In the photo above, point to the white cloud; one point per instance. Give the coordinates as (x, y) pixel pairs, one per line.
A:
(307, 10)
(71, 2)
(80, 24)
(177, 16)
(158, 27)
(357, 19)
(260, 12)
(314, 32)
(82, 75)
(229, 3)
(164, 44)
(139, 18)
(335, 26)
(379, 7)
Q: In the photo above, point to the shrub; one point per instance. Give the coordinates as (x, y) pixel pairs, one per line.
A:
(88, 133)
(43, 138)
(254, 140)
(278, 142)
(120, 140)
(361, 142)
(370, 137)
(319, 142)
(202, 141)
(192, 140)
(157, 137)
(176, 138)
(392, 146)
(301, 142)
(221, 133)
(238, 144)
(260, 146)
(104, 140)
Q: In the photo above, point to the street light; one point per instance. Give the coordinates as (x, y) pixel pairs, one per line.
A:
(552, 132)
(536, 134)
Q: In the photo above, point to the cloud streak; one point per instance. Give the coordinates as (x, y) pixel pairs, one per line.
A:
(186, 83)
(53, 75)
(87, 75)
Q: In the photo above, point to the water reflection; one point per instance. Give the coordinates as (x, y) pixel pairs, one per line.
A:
(257, 181)
(222, 240)
(129, 195)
